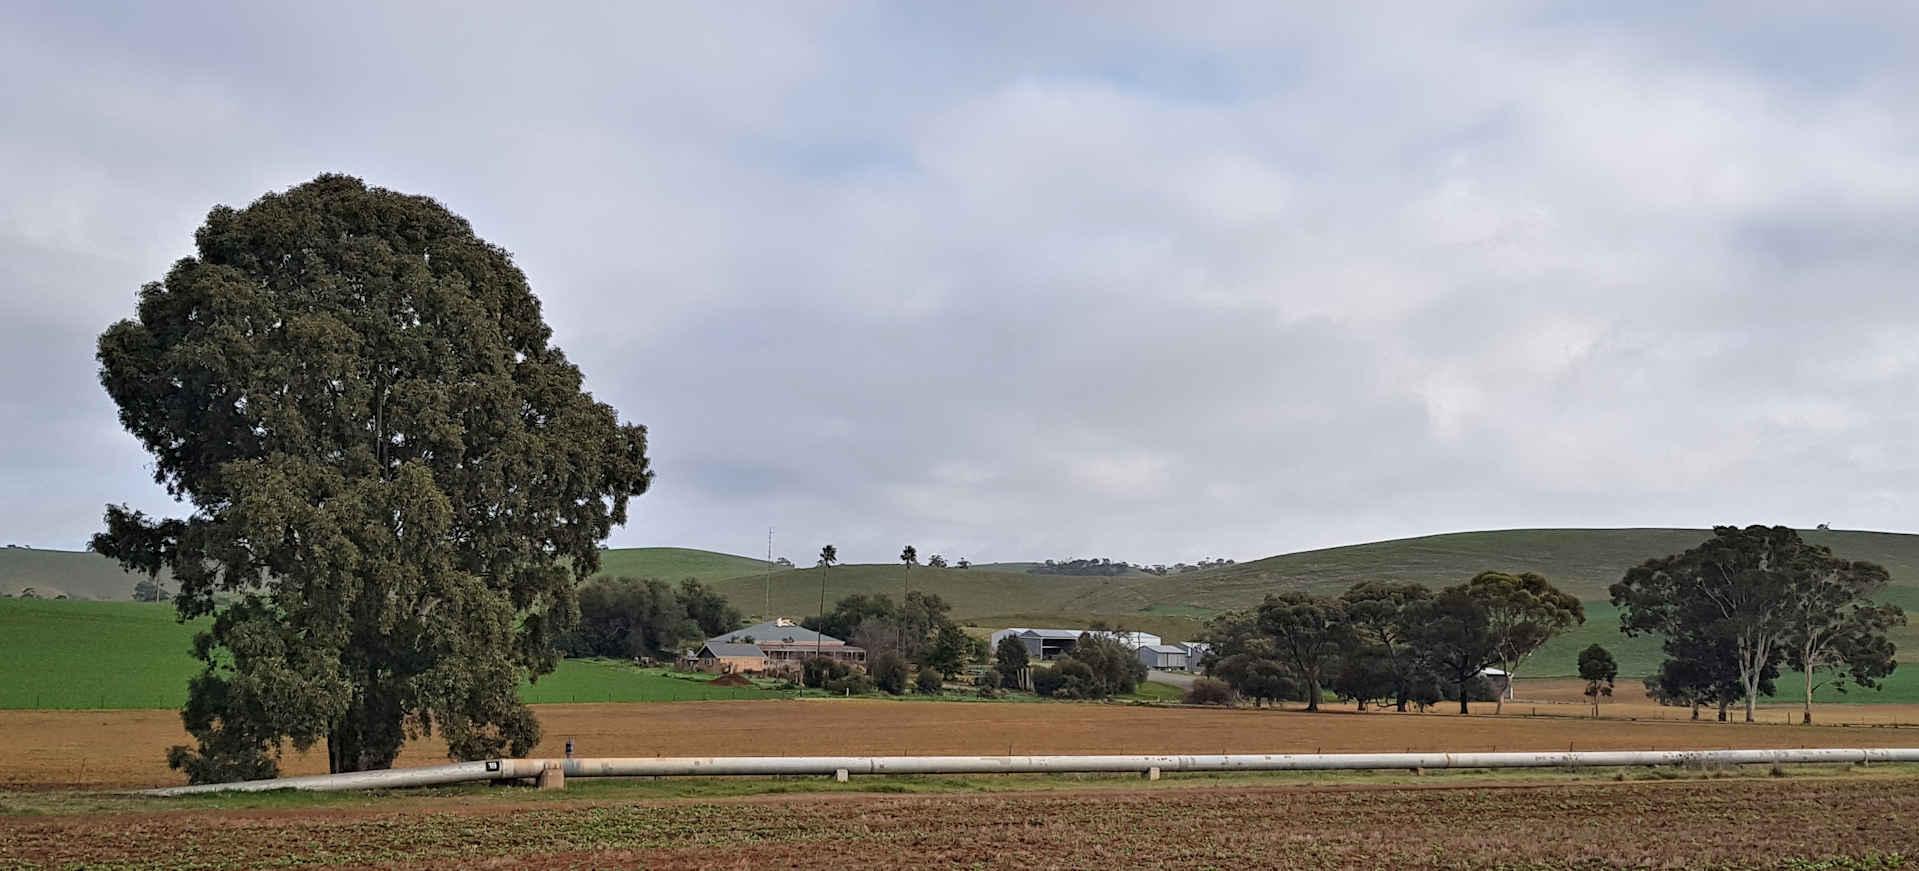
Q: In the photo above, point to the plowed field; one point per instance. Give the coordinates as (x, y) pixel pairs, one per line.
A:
(1825, 822)
(125, 748)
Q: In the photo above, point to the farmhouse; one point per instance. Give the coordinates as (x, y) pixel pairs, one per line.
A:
(1055, 643)
(778, 643)
(1165, 657)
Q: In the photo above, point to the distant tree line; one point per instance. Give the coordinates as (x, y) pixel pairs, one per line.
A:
(1388, 643)
(1104, 567)
(1733, 614)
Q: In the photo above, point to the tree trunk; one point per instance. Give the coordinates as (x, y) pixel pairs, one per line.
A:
(1805, 717)
(1312, 694)
(1724, 705)
(1464, 708)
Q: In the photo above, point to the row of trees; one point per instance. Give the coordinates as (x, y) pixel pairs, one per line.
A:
(1104, 567)
(1734, 611)
(632, 618)
(1390, 643)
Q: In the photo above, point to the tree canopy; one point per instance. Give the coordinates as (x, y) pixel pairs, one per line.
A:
(1523, 612)
(1764, 596)
(395, 479)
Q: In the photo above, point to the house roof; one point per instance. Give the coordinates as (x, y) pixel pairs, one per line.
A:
(773, 632)
(723, 649)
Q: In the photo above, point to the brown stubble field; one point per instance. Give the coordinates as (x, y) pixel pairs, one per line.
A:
(1836, 821)
(112, 749)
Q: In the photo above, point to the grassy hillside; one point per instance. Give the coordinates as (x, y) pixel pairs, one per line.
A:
(77, 574)
(674, 563)
(85, 575)
(1581, 561)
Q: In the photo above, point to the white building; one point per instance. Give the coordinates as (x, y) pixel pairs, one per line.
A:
(1053, 643)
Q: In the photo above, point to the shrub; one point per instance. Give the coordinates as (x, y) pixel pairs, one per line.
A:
(853, 684)
(1114, 668)
(890, 672)
(928, 681)
(990, 678)
(1208, 691)
(1068, 679)
(817, 671)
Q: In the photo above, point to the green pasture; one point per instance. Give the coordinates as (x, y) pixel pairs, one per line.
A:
(72, 654)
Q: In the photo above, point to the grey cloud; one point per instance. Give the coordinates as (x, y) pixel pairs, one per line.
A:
(1043, 281)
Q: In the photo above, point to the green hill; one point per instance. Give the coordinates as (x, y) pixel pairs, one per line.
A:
(674, 563)
(1581, 561)
(86, 575)
(76, 574)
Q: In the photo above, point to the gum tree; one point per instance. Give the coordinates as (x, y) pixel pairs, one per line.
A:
(1308, 634)
(394, 479)
(1523, 612)
(1762, 590)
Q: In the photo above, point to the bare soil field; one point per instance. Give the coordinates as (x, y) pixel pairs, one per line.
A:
(1838, 822)
(1566, 697)
(102, 749)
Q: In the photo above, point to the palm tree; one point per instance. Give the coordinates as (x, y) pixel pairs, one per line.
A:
(828, 556)
(908, 556)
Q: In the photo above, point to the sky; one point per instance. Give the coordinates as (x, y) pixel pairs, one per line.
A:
(1154, 282)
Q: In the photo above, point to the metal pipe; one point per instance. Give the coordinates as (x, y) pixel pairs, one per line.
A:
(727, 766)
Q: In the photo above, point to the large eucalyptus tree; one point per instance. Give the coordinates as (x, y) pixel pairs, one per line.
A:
(394, 479)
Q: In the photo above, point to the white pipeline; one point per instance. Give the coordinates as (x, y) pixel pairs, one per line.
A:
(715, 766)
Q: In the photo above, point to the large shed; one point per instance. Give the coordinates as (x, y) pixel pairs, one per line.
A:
(1164, 657)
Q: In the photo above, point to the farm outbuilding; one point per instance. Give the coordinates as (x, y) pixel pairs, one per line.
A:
(1164, 657)
(720, 657)
(1055, 643)
(1502, 682)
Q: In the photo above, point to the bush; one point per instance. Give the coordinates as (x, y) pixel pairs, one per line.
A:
(989, 679)
(928, 681)
(817, 671)
(1068, 679)
(853, 684)
(1115, 669)
(1208, 691)
(889, 672)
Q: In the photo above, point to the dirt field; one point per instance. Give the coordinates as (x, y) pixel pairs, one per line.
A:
(1825, 822)
(92, 749)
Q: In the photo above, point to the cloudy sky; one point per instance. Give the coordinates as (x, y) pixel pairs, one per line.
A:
(1155, 282)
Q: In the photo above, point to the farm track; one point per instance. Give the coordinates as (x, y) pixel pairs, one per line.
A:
(111, 749)
(1744, 822)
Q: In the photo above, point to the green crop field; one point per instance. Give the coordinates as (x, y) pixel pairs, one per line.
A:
(76, 654)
